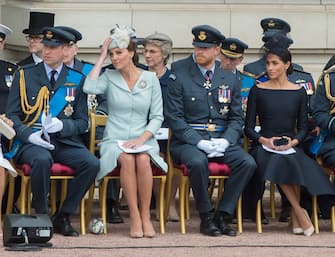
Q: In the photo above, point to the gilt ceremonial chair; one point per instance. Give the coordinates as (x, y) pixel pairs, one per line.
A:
(217, 171)
(59, 172)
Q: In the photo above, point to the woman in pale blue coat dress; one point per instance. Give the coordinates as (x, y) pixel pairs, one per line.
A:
(135, 114)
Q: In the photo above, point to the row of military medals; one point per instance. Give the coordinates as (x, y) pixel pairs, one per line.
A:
(224, 97)
(69, 98)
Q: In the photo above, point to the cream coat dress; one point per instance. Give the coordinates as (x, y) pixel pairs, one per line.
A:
(130, 113)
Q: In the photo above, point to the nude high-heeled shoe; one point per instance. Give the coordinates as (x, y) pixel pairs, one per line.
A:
(136, 230)
(148, 230)
(296, 228)
(309, 231)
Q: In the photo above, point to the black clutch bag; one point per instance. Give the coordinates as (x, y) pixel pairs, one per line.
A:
(279, 142)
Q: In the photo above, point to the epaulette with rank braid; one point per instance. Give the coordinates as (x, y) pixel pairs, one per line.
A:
(326, 79)
(41, 101)
(248, 74)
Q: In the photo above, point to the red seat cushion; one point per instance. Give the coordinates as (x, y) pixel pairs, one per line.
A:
(57, 169)
(215, 169)
(156, 171)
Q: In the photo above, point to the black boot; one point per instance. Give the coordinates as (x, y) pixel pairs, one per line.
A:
(113, 215)
(222, 220)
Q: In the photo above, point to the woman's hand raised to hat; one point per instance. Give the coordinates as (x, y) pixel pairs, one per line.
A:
(95, 72)
(105, 47)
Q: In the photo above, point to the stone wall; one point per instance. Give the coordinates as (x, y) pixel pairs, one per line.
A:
(314, 40)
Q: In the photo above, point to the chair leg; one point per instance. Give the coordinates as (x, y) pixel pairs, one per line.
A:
(53, 196)
(24, 194)
(103, 193)
(161, 204)
(259, 216)
(332, 216)
(89, 204)
(64, 191)
(212, 187)
(29, 199)
(239, 214)
(315, 214)
(11, 189)
(82, 216)
(182, 203)
(272, 200)
(170, 175)
(187, 200)
(220, 190)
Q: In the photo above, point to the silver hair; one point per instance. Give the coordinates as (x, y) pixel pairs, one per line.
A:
(163, 45)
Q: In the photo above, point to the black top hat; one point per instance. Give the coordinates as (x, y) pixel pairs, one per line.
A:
(37, 21)
(275, 24)
(206, 36)
(56, 37)
(233, 47)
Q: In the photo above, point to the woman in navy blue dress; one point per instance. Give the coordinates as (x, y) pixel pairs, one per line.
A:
(281, 108)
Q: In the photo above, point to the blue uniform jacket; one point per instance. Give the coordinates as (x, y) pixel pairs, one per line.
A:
(321, 107)
(35, 78)
(189, 102)
(7, 70)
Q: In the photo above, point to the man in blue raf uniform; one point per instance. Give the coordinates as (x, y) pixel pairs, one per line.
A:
(232, 51)
(205, 116)
(48, 125)
(7, 70)
(323, 109)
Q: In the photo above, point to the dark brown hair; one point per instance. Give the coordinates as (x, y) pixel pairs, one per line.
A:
(132, 48)
(284, 55)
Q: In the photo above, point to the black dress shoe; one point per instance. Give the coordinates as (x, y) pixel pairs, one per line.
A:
(221, 221)
(113, 215)
(61, 224)
(208, 228)
(226, 229)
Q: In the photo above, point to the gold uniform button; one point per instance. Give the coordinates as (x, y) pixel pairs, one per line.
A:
(211, 107)
(210, 93)
(210, 121)
(193, 98)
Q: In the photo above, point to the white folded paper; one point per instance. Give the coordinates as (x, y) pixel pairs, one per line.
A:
(6, 130)
(6, 164)
(140, 149)
(162, 134)
(285, 152)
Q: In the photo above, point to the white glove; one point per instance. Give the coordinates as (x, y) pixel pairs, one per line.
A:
(206, 146)
(221, 144)
(51, 125)
(36, 139)
(215, 154)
